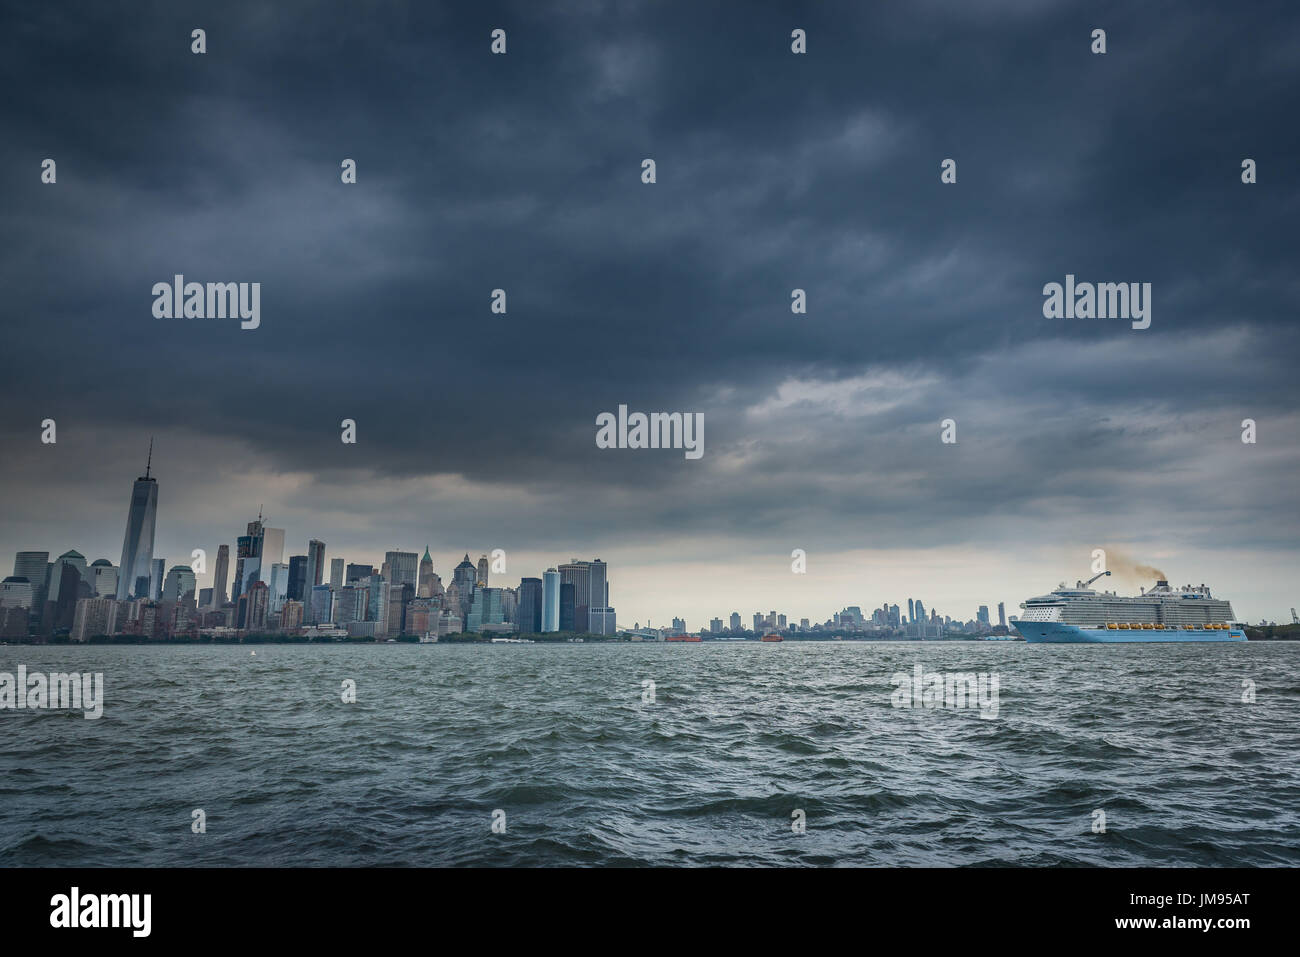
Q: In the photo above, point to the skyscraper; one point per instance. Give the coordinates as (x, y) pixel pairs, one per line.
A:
(483, 569)
(35, 567)
(220, 575)
(272, 549)
(179, 580)
(137, 543)
(550, 600)
(297, 578)
(248, 558)
(1002, 614)
(424, 585)
(155, 578)
(102, 576)
(321, 609)
(403, 568)
(528, 614)
(578, 574)
(315, 563)
(568, 607)
(466, 576)
(336, 573)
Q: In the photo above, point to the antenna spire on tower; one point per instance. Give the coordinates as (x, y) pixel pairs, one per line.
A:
(149, 464)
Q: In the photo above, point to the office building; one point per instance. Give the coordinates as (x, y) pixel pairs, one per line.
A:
(550, 600)
(138, 541)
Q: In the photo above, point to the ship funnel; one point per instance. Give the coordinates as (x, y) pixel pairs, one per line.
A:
(1162, 583)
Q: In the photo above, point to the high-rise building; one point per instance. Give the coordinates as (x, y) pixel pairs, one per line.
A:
(1002, 614)
(351, 603)
(272, 547)
(248, 558)
(315, 564)
(291, 616)
(254, 604)
(403, 568)
(278, 582)
(715, 626)
(155, 579)
(482, 570)
(16, 592)
(356, 571)
(102, 577)
(421, 616)
(220, 576)
(568, 607)
(550, 600)
(396, 600)
(982, 616)
(735, 622)
(528, 613)
(71, 559)
(911, 611)
(336, 573)
(466, 576)
(578, 574)
(486, 610)
(35, 567)
(137, 543)
(179, 581)
(424, 584)
(297, 578)
(91, 617)
(67, 587)
(679, 626)
(322, 601)
(600, 617)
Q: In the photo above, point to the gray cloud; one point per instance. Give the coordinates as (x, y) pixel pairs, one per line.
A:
(775, 172)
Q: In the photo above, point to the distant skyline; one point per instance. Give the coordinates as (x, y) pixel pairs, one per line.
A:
(656, 587)
(775, 172)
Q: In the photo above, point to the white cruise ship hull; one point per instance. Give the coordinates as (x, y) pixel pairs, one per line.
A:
(1055, 632)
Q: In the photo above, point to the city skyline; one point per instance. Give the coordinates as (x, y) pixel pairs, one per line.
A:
(281, 557)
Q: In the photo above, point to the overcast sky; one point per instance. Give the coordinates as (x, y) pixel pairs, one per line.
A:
(774, 171)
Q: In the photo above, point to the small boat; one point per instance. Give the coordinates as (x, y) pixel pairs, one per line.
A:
(683, 638)
(773, 637)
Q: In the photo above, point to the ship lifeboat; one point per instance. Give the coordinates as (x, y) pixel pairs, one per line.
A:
(1124, 626)
(1112, 626)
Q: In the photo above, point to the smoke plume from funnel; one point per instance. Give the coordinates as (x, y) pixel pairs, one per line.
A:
(1124, 566)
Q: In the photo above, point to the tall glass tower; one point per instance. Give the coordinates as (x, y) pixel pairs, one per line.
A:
(137, 544)
(550, 600)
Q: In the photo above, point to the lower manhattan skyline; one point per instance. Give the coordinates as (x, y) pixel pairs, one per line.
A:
(654, 588)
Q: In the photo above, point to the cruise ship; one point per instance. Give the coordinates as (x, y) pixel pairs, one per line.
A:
(1083, 615)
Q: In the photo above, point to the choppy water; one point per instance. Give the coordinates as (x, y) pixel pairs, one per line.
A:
(738, 737)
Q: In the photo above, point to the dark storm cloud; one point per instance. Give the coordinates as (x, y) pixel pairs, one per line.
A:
(775, 172)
